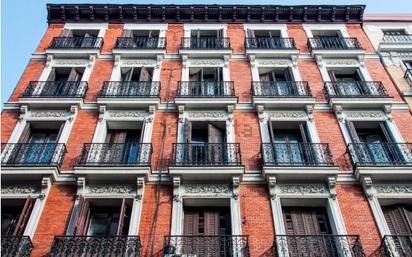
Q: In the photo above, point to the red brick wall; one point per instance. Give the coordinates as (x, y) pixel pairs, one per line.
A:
(241, 74)
(54, 30)
(356, 31)
(403, 121)
(102, 71)
(54, 218)
(173, 38)
(171, 71)
(378, 73)
(358, 216)
(247, 133)
(32, 72)
(257, 222)
(110, 37)
(163, 224)
(296, 32)
(329, 131)
(8, 123)
(309, 72)
(82, 132)
(236, 33)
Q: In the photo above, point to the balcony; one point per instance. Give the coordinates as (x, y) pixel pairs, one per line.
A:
(395, 245)
(318, 245)
(270, 46)
(287, 94)
(75, 46)
(291, 161)
(396, 43)
(357, 94)
(16, 246)
(381, 160)
(129, 93)
(114, 159)
(205, 94)
(217, 246)
(205, 46)
(200, 160)
(87, 246)
(408, 76)
(140, 46)
(54, 93)
(335, 47)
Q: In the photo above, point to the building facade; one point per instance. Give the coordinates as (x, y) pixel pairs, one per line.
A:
(207, 130)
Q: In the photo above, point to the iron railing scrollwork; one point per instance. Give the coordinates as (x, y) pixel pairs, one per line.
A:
(394, 245)
(281, 89)
(397, 39)
(334, 43)
(130, 89)
(206, 246)
(296, 154)
(205, 43)
(33, 154)
(91, 246)
(141, 43)
(270, 43)
(318, 245)
(355, 89)
(381, 154)
(206, 154)
(16, 246)
(408, 76)
(76, 43)
(116, 154)
(58, 89)
(205, 89)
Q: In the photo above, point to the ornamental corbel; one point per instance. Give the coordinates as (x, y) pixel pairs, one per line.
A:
(387, 108)
(332, 187)
(235, 187)
(261, 112)
(294, 60)
(159, 59)
(319, 61)
(184, 61)
(230, 109)
(81, 186)
(73, 112)
(367, 185)
(139, 188)
(252, 60)
(23, 112)
(361, 59)
(176, 189)
(116, 60)
(49, 60)
(92, 58)
(338, 112)
(102, 111)
(181, 110)
(226, 60)
(272, 187)
(45, 186)
(309, 111)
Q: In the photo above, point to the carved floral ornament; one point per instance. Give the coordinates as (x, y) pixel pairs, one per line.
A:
(111, 189)
(341, 62)
(303, 189)
(205, 62)
(138, 62)
(365, 115)
(19, 189)
(274, 62)
(127, 114)
(393, 189)
(287, 115)
(70, 62)
(207, 115)
(207, 189)
(49, 114)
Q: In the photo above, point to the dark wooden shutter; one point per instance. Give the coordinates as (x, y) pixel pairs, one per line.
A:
(188, 131)
(332, 76)
(212, 222)
(288, 74)
(398, 219)
(264, 77)
(215, 135)
(145, 75)
(128, 75)
(305, 221)
(122, 228)
(191, 222)
(302, 130)
(52, 75)
(25, 135)
(272, 135)
(24, 216)
(82, 217)
(74, 75)
(250, 33)
(385, 131)
(352, 132)
(67, 33)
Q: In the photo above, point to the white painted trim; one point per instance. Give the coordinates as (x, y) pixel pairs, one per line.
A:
(188, 27)
(282, 27)
(102, 27)
(154, 26)
(340, 27)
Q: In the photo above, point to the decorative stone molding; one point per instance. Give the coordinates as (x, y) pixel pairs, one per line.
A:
(341, 62)
(230, 109)
(92, 58)
(307, 189)
(116, 60)
(181, 110)
(49, 114)
(319, 61)
(45, 186)
(252, 60)
(368, 187)
(393, 189)
(365, 115)
(176, 189)
(235, 187)
(226, 59)
(261, 113)
(19, 189)
(287, 115)
(272, 187)
(274, 62)
(387, 108)
(138, 62)
(332, 187)
(110, 189)
(127, 114)
(70, 62)
(207, 189)
(338, 112)
(207, 115)
(159, 59)
(23, 112)
(294, 59)
(102, 111)
(206, 62)
(309, 111)
(139, 188)
(184, 61)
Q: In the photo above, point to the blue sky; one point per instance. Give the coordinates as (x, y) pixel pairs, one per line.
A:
(23, 23)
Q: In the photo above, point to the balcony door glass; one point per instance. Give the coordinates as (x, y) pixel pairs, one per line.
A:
(103, 222)
(347, 84)
(375, 141)
(41, 146)
(122, 146)
(289, 145)
(9, 218)
(15, 215)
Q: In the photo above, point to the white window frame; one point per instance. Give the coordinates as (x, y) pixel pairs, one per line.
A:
(308, 28)
(274, 63)
(189, 27)
(281, 27)
(204, 63)
(131, 63)
(101, 27)
(161, 27)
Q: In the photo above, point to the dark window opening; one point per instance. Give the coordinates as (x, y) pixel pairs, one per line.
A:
(208, 221)
(143, 74)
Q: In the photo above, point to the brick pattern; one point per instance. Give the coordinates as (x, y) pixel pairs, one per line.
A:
(247, 133)
(378, 73)
(102, 71)
(403, 121)
(356, 31)
(33, 71)
(54, 218)
(296, 32)
(148, 232)
(171, 73)
(54, 30)
(358, 217)
(241, 74)
(173, 38)
(329, 131)
(257, 222)
(309, 72)
(82, 132)
(236, 33)
(110, 37)
(8, 123)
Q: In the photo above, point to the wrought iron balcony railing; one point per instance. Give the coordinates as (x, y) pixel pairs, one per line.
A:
(205, 154)
(141, 43)
(270, 43)
(318, 245)
(90, 246)
(381, 154)
(395, 245)
(32, 154)
(205, 89)
(397, 39)
(112, 89)
(296, 154)
(408, 76)
(76, 43)
(16, 246)
(355, 89)
(116, 154)
(334, 43)
(281, 89)
(216, 246)
(205, 43)
(56, 89)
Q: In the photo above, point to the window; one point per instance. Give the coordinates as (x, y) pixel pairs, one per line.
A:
(306, 221)
(273, 74)
(394, 33)
(66, 74)
(14, 215)
(204, 132)
(206, 74)
(207, 221)
(79, 33)
(142, 74)
(206, 33)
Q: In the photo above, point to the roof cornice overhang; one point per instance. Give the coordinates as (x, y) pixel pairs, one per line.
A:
(129, 13)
